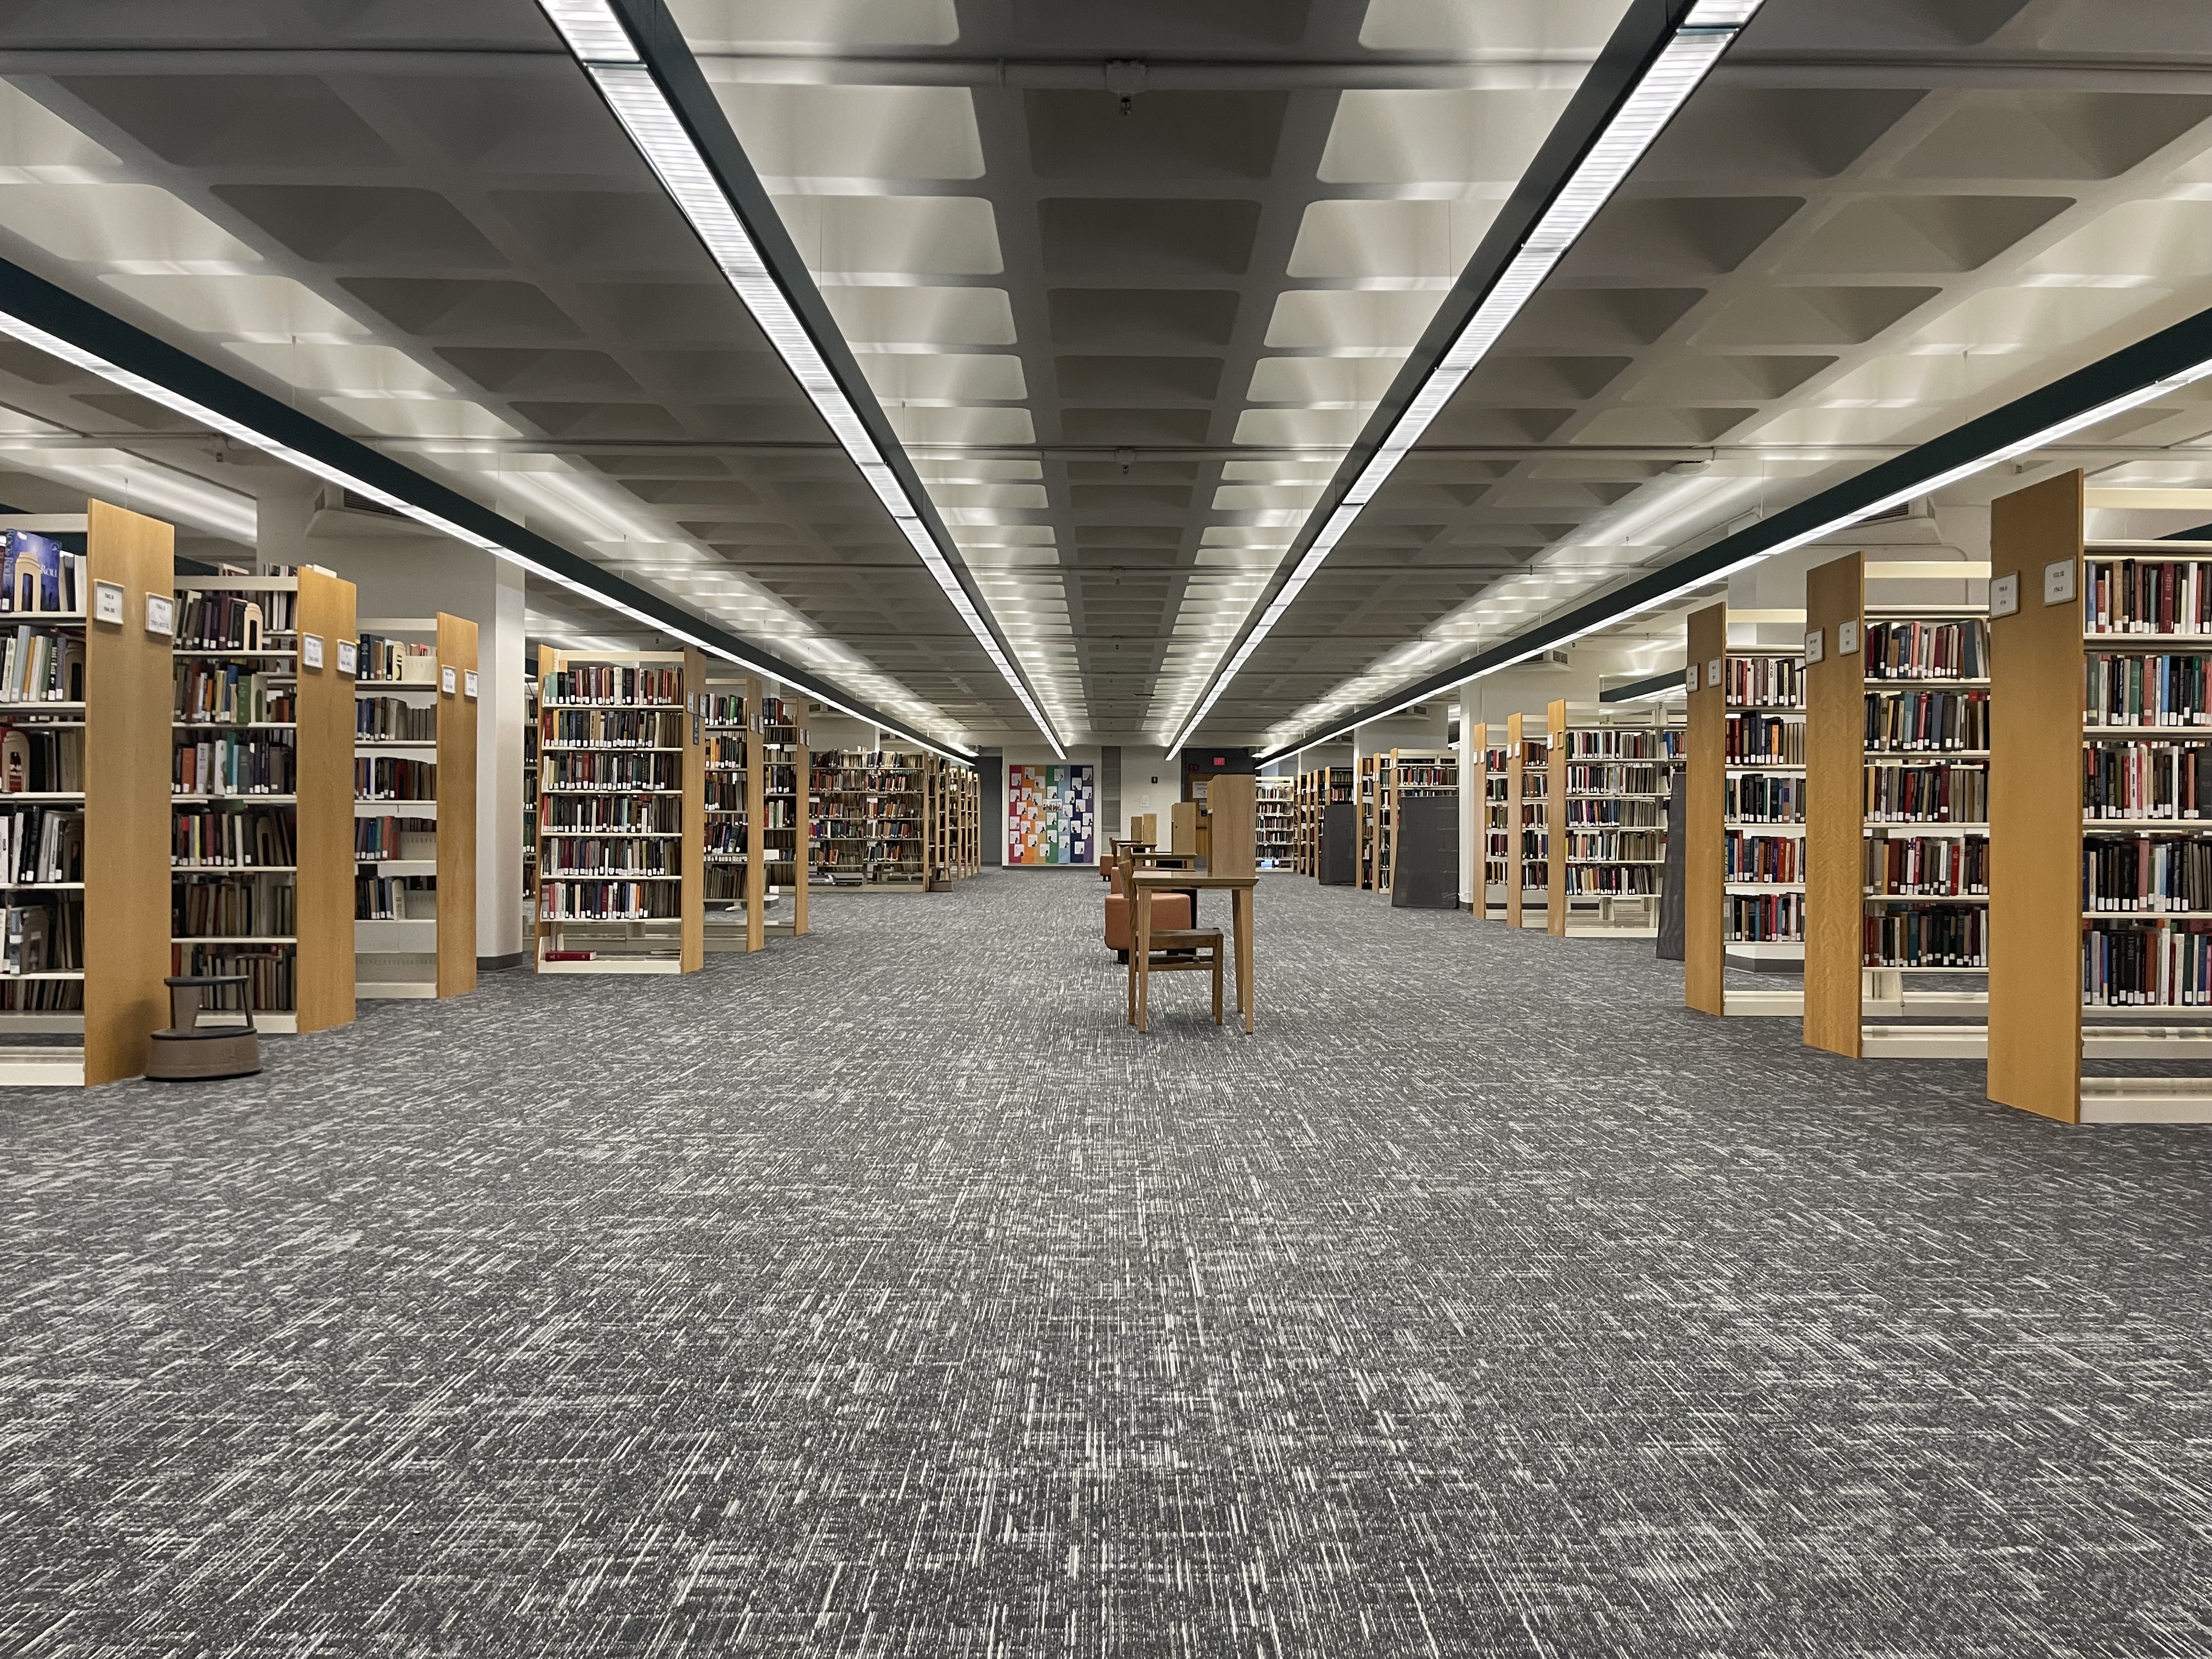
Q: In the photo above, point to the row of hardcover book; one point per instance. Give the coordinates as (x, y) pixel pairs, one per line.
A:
(41, 665)
(1748, 856)
(2158, 689)
(225, 906)
(2144, 781)
(612, 728)
(1933, 936)
(2167, 966)
(1926, 867)
(1956, 793)
(41, 844)
(1927, 650)
(1764, 740)
(235, 766)
(393, 720)
(2141, 872)
(1897, 722)
(227, 694)
(2146, 596)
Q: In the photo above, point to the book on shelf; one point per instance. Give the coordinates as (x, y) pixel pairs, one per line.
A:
(41, 665)
(37, 573)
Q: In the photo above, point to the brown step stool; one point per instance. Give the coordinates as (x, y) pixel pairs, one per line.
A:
(189, 1051)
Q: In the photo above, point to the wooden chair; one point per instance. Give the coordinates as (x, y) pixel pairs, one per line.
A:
(1174, 950)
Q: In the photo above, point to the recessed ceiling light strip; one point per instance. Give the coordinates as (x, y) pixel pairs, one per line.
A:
(1676, 70)
(285, 434)
(602, 42)
(2173, 358)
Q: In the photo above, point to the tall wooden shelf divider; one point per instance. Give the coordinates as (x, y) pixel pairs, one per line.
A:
(406, 716)
(2100, 905)
(622, 767)
(85, 874)
(1605, 818)
(1897, 836)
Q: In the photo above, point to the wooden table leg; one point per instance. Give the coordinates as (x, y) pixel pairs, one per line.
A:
(1141, 937)
(1240, 910)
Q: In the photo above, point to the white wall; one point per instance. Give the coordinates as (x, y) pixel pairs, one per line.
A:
(1139, 793)
(409, 576)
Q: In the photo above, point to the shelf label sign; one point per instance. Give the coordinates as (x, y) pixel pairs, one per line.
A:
(448, 681)
(2004, 596)
(311, 650)
(1712, 673)
(1690, 677)
(349, 657)
(469, 685)
(108, 602)
(2058, 582)
(160, 615)
(1847, 639)
(1816, 645)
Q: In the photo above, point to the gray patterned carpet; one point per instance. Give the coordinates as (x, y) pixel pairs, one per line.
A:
(883, 1295)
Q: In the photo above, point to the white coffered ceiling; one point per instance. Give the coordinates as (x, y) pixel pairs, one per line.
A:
(1127, 279)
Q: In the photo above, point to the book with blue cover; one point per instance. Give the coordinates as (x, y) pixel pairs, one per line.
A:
(31, 566)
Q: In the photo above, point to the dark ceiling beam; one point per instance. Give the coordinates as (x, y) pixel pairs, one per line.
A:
(2175, 350)
(76, 322)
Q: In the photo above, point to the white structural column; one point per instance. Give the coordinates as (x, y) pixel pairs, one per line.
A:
(399, 572)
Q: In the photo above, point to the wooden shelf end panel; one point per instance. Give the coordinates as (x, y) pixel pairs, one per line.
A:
(2035, 808)
(1704, 903)
(1835, 757)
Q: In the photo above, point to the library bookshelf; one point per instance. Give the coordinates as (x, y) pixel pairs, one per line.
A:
(82, 732)
(2100, 890)
(415, 801)
(869, 824)
(1743, 887)
(1276, 824)
(261, 790)
(620, 767)
(1495, 825)
(1305, 858)
(753, 823)
(1528, 795)
(1607, 819)
(530, 801)
(1371, 819)
(1897, 838)
(952, 818)
(1408, 774)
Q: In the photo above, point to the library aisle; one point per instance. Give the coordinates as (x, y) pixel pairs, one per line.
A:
(884, 1294)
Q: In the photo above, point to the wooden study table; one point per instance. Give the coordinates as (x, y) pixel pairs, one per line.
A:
(1143, 883)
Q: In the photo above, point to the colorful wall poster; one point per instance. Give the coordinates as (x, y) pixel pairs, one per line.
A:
(1052, 815)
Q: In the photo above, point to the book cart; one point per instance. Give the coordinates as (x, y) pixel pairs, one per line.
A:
(621, 766)
(1276, 833)
(2100, 875)
(415, 808)
(262, 792)
(1528, 794)
(82, 691)
(1896, 782)
(1743, 881)
(1607, 820)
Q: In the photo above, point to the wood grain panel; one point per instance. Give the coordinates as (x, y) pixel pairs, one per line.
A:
(1232, 802)
(1479, 771)
(756, 782)
(1515, 782)
(126, 798)
(323, 973)
(1555, 821)
(1704, 902)
(1835, 762)
(457, 808)
(691, 930)
(2035, 809)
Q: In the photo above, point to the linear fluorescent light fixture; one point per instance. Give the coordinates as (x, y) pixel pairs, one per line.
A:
(1673, 75)
(601, 42)
(155, 392)
(1551, 638)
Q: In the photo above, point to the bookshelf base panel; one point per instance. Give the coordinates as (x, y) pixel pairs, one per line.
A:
(42, 1068)
(1764, 1004)
(614, 965)
(1924, 1041)
(2146, 1100)
(403, 990)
